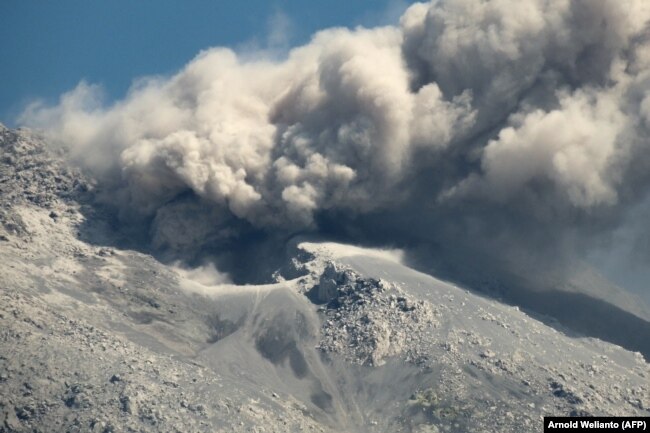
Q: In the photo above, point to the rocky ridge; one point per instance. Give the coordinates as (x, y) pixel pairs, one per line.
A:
(368, 320)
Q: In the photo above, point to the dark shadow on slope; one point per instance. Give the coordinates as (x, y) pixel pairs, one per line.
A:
(588, 316)
(102, 227)
(574, 314)
(278, 344)
(248, 255)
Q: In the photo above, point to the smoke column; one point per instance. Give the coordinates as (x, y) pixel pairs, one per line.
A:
(512, 134)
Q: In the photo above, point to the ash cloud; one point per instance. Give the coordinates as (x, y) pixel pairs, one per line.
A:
(505, 128)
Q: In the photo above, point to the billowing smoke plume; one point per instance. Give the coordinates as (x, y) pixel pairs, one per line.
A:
(503, 128)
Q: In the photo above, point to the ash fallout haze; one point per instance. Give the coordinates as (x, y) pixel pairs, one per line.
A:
(343, 217)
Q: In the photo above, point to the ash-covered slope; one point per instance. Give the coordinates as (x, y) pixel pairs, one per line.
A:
(98, 337)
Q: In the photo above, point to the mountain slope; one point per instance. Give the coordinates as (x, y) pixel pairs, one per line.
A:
(96, 336)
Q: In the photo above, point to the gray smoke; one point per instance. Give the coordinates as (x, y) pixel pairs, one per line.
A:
(515, 129)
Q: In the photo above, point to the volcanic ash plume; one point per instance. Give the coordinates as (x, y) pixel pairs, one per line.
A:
(479, 125)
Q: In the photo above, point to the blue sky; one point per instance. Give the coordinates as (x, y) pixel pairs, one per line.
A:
(47, 47)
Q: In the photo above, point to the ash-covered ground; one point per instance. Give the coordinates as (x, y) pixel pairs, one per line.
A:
(98, 334)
